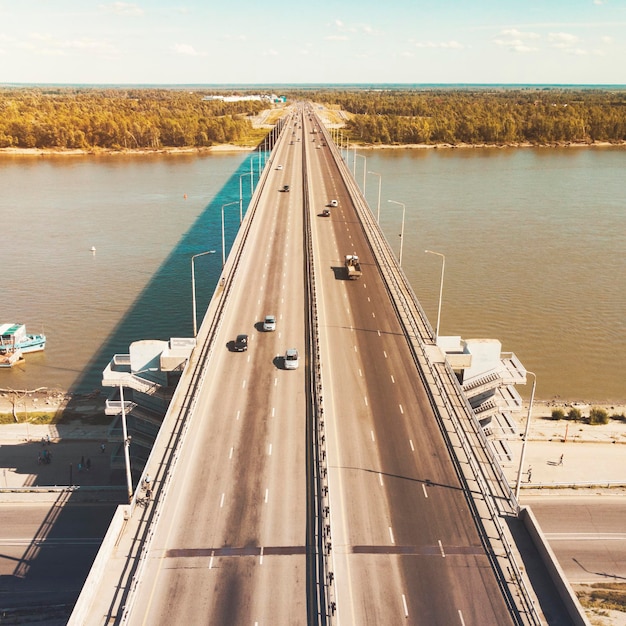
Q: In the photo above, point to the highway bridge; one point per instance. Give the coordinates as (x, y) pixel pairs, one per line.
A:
(355, 489)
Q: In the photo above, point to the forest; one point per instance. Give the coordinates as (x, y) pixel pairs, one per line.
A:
(482, 116)
(120, 119)
(58, 118)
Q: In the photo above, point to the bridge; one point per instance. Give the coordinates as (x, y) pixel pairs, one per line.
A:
(357, 488)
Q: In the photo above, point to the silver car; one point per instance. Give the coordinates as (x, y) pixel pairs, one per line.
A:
(269, 323)
(291, 359)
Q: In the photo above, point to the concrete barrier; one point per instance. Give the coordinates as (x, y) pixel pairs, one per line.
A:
(573, 606)
(83, 604)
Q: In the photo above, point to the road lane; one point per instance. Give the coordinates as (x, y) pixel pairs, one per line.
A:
(399, 555)
(229, 548)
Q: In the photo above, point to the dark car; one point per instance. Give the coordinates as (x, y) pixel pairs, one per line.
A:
(285, 188)
(241, 343)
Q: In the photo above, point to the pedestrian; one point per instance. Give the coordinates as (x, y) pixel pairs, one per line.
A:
(102, 446)
(530, 473)
(80, 467)
(88, 464)
(561, 460)
(48, 439)
(39, 458)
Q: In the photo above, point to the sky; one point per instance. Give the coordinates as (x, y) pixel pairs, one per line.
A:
(322, 41)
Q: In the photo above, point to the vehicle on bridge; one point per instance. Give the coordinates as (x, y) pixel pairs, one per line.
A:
(333, 203)
(269, 323)
(241, 343)
(326, 212)
(291, 360)
(285, 188)
(353, 266)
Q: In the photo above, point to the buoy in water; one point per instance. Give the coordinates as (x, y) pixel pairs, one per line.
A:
(185, 196)
(93, 248)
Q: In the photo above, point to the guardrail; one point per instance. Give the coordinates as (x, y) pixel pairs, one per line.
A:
(442, 386)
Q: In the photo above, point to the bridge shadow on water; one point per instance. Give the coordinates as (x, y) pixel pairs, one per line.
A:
(45, 576)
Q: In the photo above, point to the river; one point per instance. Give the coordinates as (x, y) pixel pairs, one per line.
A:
(533, 241)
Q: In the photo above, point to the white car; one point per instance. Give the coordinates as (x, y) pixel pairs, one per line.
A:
(291, 359)
(279, 167)
(333, 203)
(269, 323)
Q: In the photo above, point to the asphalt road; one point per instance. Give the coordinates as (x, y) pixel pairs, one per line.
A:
(406, 549)
(230, 545)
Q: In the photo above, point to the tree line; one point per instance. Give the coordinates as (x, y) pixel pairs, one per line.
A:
(481, 116)
(64, 118)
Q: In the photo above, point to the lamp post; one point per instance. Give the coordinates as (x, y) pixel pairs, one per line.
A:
(193, 288)
(364, 167)
(523, 453)
(129, 480)
(402, 230)
(380, 182)
(241, 194)
(443, 267)
(223, 242)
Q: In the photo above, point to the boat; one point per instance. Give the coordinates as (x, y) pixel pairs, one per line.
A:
(9, 357)
(14, 337)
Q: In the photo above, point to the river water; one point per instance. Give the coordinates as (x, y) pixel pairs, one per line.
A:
(534, 243)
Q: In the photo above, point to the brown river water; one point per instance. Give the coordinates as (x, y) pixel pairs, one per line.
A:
(534, 242)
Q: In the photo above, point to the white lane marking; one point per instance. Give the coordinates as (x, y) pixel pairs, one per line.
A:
(424, 490)
(211, 561)
(443, 554)
(275, 383)
(360, 373)
(368, 299)
(269, 451)
(412, 446)
(261, 557)
(372, 434)
(461, 618)
(406, 608)
(380, 479)
(391, 535)
(238, 413)
(393, 380)
(273, 408)
(248, 358)
(378, 331)
(258, 301)
(222, 501)
(401, 409)
(243, 383)
(373, 314)
(365, 398)
(267, 493)
(230, 456)
(385, 353)
(355, 349)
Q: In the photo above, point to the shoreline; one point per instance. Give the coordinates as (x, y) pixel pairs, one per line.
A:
(233, 148)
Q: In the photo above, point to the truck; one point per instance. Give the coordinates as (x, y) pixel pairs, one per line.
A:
(353, 267)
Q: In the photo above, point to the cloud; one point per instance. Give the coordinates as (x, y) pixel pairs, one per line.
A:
(441, 44)
(336, 38)
(122, 8)
(187, 50)
(598, 2)
(270, 53)
(563, 39)
(517, 40)
(606, 39)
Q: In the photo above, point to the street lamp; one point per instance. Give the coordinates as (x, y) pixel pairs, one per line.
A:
(402, 230)
(443, 267)
(223, 243)
(241, 194)
(380, 182)
(523, 454)
(193, 288)
(129, 480)
(364, 167)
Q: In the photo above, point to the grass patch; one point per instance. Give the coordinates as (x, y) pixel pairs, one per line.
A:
(603, 596)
